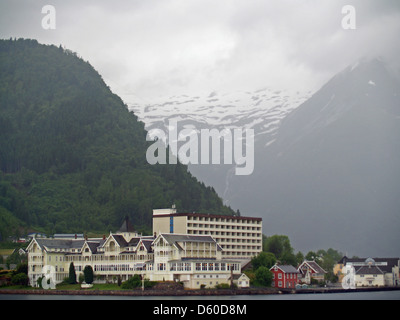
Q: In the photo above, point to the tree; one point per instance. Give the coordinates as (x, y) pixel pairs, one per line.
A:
(312, 256)
(72, 274)
(299, 257)
(264, 259)
(132, 283)
(22, 268)
(263, 277)
(20, 279)
(280, 246)
(88, 274)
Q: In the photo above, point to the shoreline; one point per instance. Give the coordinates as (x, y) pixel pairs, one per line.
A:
(153, 293)
(207, 292)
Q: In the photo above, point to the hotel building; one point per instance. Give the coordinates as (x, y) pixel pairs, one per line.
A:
(195, 260)
(239, 237)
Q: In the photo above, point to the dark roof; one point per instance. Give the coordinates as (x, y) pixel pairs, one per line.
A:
(313, 265)
(369, 270)
(286, 268)
(172, 238)
(93, 246)
(134, 241)
(68, 236)
(126, 226)
(120, 240)
(60, 243)
(147, 244)
(385, 264)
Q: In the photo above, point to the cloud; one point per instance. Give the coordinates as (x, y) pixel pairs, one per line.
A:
(161, 47)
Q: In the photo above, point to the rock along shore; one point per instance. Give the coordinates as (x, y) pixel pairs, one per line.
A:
(206, 292)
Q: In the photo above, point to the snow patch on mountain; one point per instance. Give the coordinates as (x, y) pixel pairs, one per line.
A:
(261, 110)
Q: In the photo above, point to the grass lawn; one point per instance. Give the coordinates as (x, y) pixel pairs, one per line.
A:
(101, 286)
(18, 287)
(6, 252)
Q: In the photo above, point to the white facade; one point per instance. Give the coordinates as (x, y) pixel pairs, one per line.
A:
(370, 272)
(240, 237)
(196, 261)
(369, 277)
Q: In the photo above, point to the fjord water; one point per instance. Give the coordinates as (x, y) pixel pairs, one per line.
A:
(375, 295)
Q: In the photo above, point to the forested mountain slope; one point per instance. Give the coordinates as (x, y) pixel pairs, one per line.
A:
(72, 156)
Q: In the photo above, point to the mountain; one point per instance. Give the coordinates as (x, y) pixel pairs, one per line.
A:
(72, 156)
(260, 110)
(331, 178)
(327, 165)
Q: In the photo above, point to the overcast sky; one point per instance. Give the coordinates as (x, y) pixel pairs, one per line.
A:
(148, 48)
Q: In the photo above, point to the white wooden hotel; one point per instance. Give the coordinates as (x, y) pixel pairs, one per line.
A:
(196, 260)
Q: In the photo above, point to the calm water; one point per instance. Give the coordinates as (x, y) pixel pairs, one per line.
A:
(381, 295)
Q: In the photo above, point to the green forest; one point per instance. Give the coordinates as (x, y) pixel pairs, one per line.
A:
(72, 156)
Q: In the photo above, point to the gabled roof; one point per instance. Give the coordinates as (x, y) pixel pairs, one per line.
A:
(120, 240)
(93, 245)
(173, 239)
(285, 268)
(147, 244)
(59, 243)
(133, 242)
(369, 270)
(237, 276)
(313, 266)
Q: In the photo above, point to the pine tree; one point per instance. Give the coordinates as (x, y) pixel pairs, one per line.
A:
(88, 274)
(72, 274)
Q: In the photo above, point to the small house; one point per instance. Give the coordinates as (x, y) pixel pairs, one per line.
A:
(284, 276)
(310, 270)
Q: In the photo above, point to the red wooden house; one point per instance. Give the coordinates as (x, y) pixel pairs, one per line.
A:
(285, 276)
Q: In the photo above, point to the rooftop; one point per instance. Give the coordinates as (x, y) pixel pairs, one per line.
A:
(207, 215)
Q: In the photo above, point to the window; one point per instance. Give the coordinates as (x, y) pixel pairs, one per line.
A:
(161, 266)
